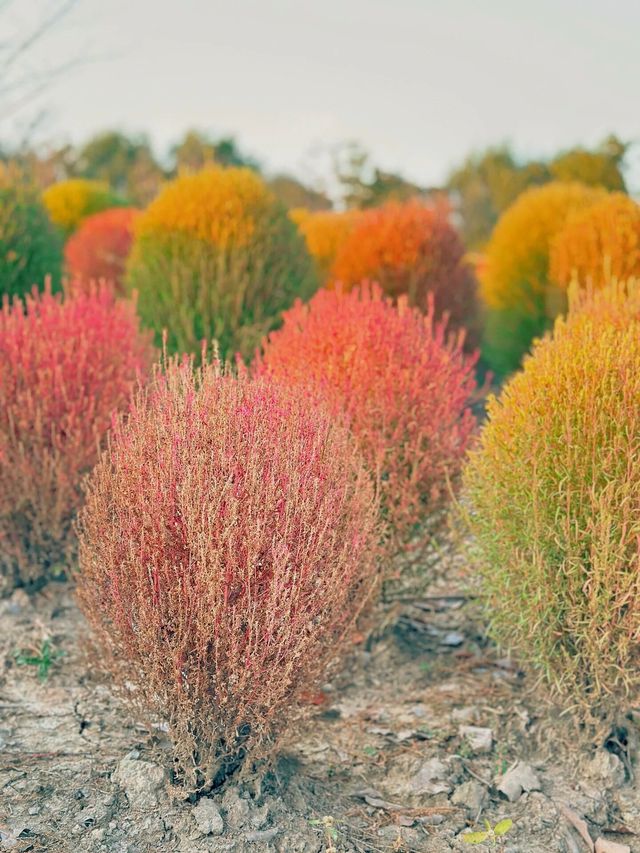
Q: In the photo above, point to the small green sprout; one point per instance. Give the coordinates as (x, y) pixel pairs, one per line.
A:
(43, 658)
(490, 834)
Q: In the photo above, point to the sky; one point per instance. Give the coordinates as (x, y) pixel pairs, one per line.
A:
(419, 83)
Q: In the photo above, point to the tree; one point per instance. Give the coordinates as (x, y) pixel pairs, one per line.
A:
(485, 185)
(364, 185)
(126, 163)
(293, 193)
(197, 150)
(22, 79)
(601, 167)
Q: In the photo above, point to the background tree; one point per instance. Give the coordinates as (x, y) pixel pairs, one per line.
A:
(126, 163)
(197, 149)
(294, 194)
(485, 185)
(602, 167)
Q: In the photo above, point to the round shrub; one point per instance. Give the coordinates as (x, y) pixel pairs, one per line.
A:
(65, 365)
(553, 489)
(216, 256)
(600, 243)
(100, 247)
(404, 384)
(227, 546)
(70, 202)
(325, 232)
(516, 287)
(413, 250)
(30, 246)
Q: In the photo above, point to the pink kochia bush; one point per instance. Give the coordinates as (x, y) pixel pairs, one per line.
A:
(402, 380)
(66, 364)
(227, 544)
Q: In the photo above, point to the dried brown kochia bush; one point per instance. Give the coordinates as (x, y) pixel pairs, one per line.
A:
(227, 545)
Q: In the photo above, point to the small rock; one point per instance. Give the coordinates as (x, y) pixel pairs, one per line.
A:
(34, 810)
(142, 781)
(431, 819)
(19, 602)
(208, 818)
(478, 738)
(465, 715)
(453, 639)
(472, 795)
(519, 778)
(432, 778)
(263, 835)
(608, 768)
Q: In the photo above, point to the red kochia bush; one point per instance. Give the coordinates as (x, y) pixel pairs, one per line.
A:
(101, 245)
(65, 365)
(402, 380)
(227, 543)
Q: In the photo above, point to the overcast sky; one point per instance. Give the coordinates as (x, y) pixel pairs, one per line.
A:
(420, 83)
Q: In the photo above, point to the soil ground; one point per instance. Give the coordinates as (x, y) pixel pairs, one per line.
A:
(406, 750)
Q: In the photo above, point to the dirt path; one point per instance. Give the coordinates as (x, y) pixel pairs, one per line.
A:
(406, 751)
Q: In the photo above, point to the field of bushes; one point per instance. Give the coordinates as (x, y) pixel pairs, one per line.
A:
(320, 526)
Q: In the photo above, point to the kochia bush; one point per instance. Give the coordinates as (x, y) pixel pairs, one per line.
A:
(516, 286)
(216, 256)
(599, 244)
(554, 488)
(412, 250)
(402, 380)
(325, 231)
(228, 543)
(100, 247)
(30, 246)
(65, 366)
(70, 202)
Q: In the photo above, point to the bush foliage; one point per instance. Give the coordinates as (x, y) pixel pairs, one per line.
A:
(100, 247)
(403, 382)
(325, 232)
(70, 202)
(216, 256)
(65, 366)
(601, 243)
(412, 250)
(554, 487)
(227, 544)
(30, 246)
(516, 288)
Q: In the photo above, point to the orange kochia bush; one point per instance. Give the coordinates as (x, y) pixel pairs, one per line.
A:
(228, 543)
(410, 249)
(100, 247)
(65, 365)
(598, 244)
(402, 380)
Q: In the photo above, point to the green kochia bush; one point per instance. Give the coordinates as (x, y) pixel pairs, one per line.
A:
(554, 488)
(30, 246)
(216, 256)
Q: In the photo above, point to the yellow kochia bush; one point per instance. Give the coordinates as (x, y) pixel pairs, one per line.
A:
(325, 232)
(216, 256)
(515, 284)
(601, 243)
(554, 490)
(70, 202)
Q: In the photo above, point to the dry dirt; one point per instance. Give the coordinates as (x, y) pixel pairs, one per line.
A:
(407, 750)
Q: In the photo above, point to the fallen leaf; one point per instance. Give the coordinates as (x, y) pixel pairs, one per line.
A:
(604, 846)
(578, 824)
